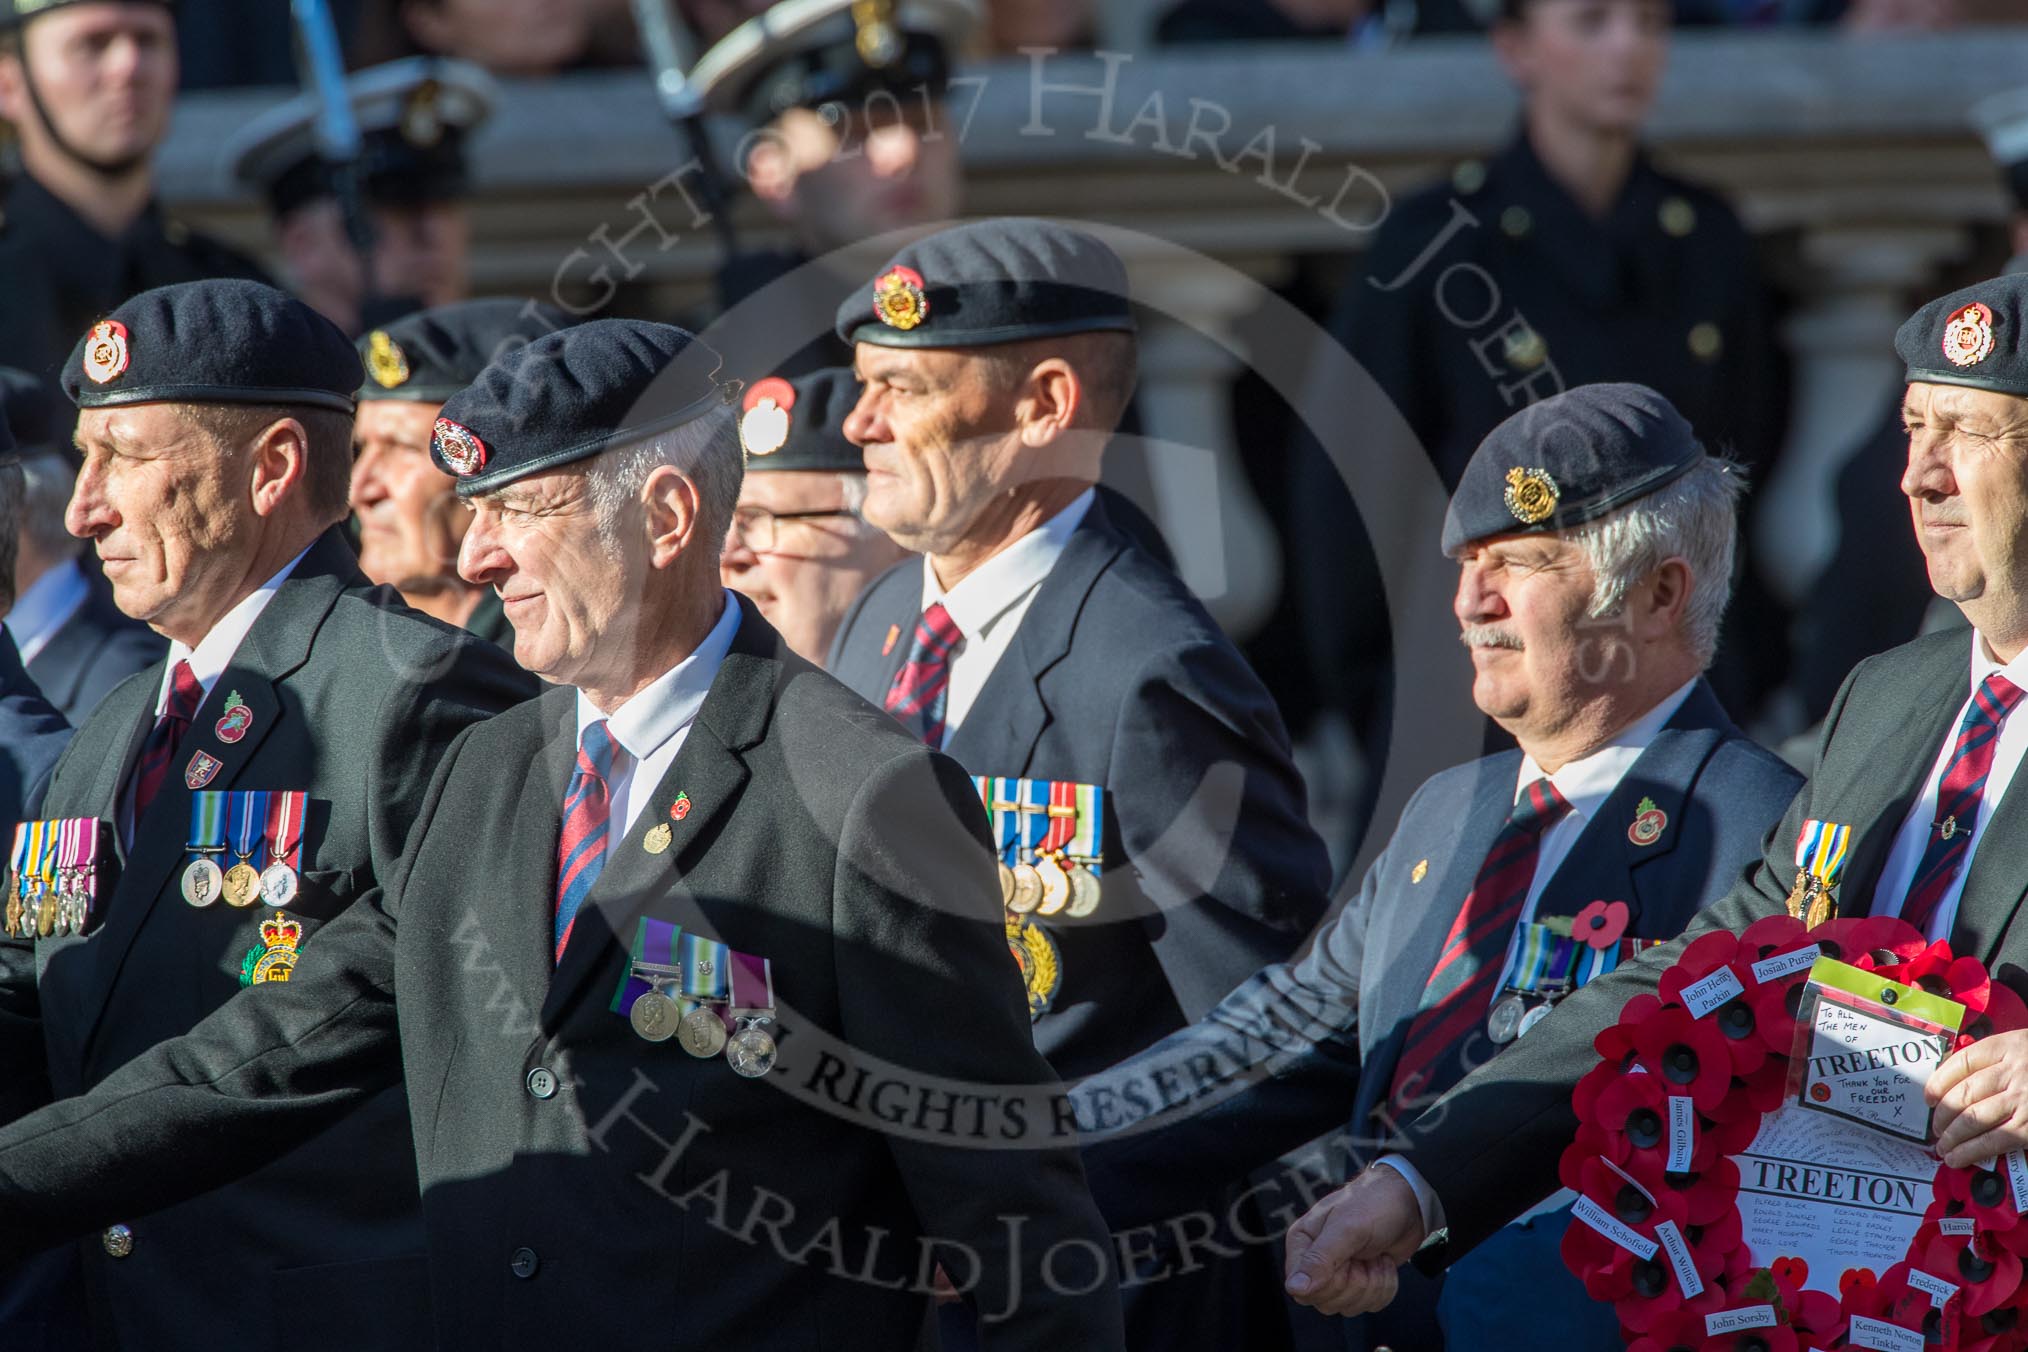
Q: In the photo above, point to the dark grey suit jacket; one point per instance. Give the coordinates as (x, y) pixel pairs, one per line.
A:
(91, 652)
(818, 836)
(1490, 1146)
(32, 736)
(1118, 677)
(1307, 1047)
(354, 698)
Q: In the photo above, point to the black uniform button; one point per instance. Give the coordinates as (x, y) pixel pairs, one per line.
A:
(542, 1082)
(118, 1241)
(525, 1263)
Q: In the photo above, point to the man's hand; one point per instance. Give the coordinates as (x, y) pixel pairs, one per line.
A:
(1343, 1253)
(1981, 1099)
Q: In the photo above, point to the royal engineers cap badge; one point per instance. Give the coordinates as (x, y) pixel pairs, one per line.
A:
(1968, 336)
(460, 448)
(1531, 495)
(764, 426)
(105, 354)
(385, 361)
(898, 301)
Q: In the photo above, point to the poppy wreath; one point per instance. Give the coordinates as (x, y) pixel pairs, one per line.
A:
(1733, 1065)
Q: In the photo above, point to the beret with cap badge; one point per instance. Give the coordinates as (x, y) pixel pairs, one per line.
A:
(996, 281)
(800, 423)
(1970, 337)
(428, 356)
(213, 342)
(1570, 459)
(573, 394)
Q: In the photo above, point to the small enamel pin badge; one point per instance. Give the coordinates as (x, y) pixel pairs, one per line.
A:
(1419, 872)
(658, 837)
(1649, 823)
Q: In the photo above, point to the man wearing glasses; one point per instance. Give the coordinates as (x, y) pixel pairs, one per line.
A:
(798, 546)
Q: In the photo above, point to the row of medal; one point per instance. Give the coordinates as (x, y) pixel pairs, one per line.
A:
(1050, 836)
(1544, 964)
(53, 877)
(262, 832)
(708, 997)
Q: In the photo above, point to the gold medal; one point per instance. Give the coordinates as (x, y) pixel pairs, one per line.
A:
(242, 885)
(1799, 894)
(1823, 907)
(701, 1033)
(45, 918)
(1006, 885)
(14, 914)
(657, 839)
(1027, 890)
(1084, 892)
(1055, 886)
(654, 1016)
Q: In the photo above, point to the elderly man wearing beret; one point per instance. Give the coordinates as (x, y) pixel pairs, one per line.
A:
(252, 787)
(799, 545)
(410, 521)
(1594, 540)
(693, 972)
(1917, 757)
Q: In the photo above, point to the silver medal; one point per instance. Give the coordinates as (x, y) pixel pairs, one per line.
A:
(751, 1052)
(654, 1016)
(701, 1033)
(1531, 1018)
(202, 882)
(278, 884)
(1504, 1023)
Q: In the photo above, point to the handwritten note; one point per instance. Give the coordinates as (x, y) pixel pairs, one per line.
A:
(1870, 1070)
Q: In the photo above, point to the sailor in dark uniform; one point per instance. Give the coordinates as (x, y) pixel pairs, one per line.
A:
(410, 520)
(87, 86)
(413, 116)
(851, 140)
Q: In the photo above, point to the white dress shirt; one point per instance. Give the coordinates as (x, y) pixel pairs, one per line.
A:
(1585, 784)
(651, 727)
(1913, 837)
(988, 603)
(45, 607)
(208, 661)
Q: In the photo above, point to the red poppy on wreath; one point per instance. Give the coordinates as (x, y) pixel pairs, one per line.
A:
(1982, 1194)
(1699, 959)
(2005, 1012)
(1986, 1274)
(1689, 1054)
(1609, 1272)
(1601, 924)
(1615, 1044)
(1937, 970)
(1682, 1330)
(1770, 935)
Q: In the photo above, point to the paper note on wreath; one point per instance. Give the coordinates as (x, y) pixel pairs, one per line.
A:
(1872, 1045)
(1833, 1193)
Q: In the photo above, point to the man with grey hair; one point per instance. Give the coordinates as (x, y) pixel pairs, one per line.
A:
(648, 929)
(1594, 541)
(74, 641)
(798, 545)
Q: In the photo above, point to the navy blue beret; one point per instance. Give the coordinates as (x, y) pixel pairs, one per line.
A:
(570, 395)
(430, 355)
(800, 423)
(29, 413)
(1971, 337)
(997, 281)
(213, 342)
(1570, 459)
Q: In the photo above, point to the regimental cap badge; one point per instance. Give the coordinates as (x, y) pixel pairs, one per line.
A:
(105, 354)
(1531, 495)
(385, 361)
(458, 447)
(764, 426)
(898, 301)
(1968, 335)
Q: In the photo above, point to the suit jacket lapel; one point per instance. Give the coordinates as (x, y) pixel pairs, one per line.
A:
(277, 645)
(712, 773)
(131, 707)
(1896, 772)
(1010, 710)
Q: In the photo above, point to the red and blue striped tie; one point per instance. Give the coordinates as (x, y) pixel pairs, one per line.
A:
(185, 694)
(918, 694)
(587, 823)
(1460, 989)
(1958, 799)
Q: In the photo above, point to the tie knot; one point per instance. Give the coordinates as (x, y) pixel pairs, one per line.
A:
(1997, 697)
(936, 631)
(185, 694)
(1538, 807)
(595, 750)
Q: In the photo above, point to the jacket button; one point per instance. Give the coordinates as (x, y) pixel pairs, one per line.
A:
(118, 1241)
(542, 1082)
(525, 1263)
